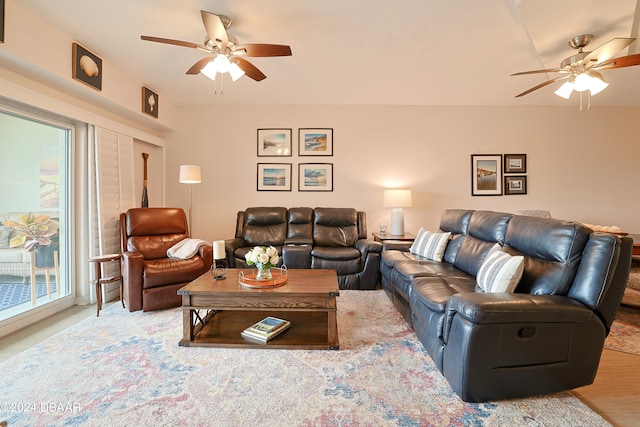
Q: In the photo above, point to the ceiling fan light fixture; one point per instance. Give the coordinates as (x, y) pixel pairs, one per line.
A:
(582, 83)
(565, 90)
(210, 70)
(597, 85)
(235, 71)
(222, 63)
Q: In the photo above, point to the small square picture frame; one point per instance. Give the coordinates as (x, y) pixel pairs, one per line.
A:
(315, 177)
(274, 142)
(315, 142)
(515, 163)
(86, 66)
(150, 102)
(515, 184)
(1, 21)
(274, 177)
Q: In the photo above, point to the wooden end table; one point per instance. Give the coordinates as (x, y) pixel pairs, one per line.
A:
(215, 312)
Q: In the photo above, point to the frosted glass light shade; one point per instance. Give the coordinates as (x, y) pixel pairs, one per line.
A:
(597, 85)
(397, 199)
(190, 174)
(565, 90)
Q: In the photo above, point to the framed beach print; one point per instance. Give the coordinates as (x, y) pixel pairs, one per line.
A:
(274, 176)
(150, 102)
(515, 163)
(1, 21)
(87, 67)
(515, 184)
(315, 177)
(486, 174)
(315, 142)
(274, 142)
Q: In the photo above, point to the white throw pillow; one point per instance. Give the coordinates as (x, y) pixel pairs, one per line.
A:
(500, 272)
(430, 245)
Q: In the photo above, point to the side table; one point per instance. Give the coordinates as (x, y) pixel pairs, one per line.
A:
(98, 262)
(390, 241)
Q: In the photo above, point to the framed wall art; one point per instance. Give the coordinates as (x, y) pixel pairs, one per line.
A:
(87, 67)
(515, 163)
(486, 174)
(150, 102)
(274, 142)
(515, 184)
(315, 177)
(274, 176)
(1, 21)
(315, 142)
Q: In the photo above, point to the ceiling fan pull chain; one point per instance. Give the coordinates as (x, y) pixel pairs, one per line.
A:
(589, 100)
(580, 101)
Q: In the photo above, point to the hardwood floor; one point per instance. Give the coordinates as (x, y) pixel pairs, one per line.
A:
(615, 393)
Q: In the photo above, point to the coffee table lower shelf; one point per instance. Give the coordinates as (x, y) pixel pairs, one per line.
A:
(309, 330)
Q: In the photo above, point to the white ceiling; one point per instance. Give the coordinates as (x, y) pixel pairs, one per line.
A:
(406, 52)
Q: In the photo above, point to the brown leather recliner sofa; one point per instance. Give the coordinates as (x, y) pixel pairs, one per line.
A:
(321, 238)
(545, 337)
(151, 279)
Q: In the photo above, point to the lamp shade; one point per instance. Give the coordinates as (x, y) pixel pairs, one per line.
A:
(190, 174)
(397, 199)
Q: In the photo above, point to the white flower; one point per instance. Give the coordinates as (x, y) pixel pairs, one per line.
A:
(271, 251)
(274, 259)
(262, 256)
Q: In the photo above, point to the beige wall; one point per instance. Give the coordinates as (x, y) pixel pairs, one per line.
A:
(580, 165)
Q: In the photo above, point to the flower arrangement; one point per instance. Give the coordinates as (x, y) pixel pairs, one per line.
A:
(264, 257)
(32, 231)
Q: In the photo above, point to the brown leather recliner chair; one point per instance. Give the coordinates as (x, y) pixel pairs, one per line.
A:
(151, 279)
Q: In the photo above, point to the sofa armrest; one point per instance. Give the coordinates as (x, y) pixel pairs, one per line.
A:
(502, 308)
(230, 246)
(206, 253)
(132, 276)
(365, 246)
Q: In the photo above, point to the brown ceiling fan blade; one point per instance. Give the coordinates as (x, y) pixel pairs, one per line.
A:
(173, 42)
(215, 27)
(608, 50)
(263, 50)
(250, 70)
(551, 70)
(541, 85)
(623, 61)
(195, 68)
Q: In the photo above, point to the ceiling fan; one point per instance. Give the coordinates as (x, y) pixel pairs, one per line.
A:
(227, 55)
(582, 70)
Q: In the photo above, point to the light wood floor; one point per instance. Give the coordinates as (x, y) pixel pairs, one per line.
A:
(615, 393)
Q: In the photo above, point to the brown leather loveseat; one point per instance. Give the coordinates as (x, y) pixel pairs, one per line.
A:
(151, 279)
(320, 238)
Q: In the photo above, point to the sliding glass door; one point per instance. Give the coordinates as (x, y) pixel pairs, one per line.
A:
(34, 212)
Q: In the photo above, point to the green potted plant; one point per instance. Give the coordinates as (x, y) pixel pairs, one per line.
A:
(37, 233)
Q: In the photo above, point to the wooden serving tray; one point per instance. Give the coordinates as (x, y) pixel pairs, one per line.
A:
(249, 280)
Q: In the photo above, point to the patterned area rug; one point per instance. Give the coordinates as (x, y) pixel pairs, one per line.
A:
(625, 331)
(127, 369)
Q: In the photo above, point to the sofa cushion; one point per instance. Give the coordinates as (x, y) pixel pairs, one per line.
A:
(500, 272)
(335, 227)
(265, 226)
(430, 245)
(5, 234)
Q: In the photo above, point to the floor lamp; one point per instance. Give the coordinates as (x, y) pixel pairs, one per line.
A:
(190, 174)
(397, 199)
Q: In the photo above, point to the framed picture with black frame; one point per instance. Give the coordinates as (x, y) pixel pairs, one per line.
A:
(1, 21)
(515, 184)
(274, 143)
(274, 177)
(86, 66)
(315, 177)
(515, 163)
(486, 174)
(315, 142)
(150, 102)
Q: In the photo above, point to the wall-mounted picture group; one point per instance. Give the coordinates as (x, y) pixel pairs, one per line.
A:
(495, 174)
(276, 142)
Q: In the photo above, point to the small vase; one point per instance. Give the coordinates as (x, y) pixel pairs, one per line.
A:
(264, 273)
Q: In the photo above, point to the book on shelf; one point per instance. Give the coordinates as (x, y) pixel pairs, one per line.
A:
(266, 329)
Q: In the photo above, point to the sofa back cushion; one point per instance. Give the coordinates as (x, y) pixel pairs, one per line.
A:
(486, 228)
(152, 231)
(265, 226)
(335, 227)
(552, 249)
(300, 223)
(455, 221)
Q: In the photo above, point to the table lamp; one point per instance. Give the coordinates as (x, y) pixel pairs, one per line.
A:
(397, 199)
(190, 174)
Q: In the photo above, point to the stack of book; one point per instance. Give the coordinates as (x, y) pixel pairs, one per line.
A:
(266, 329)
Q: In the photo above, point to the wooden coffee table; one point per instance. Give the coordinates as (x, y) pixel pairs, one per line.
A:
(215, 312)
